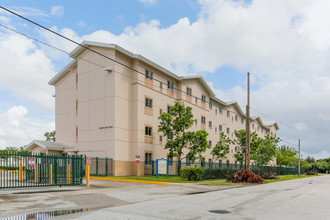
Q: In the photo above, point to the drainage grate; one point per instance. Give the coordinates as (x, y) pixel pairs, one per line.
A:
(219, 211)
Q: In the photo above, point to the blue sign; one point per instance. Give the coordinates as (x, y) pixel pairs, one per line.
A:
(161, 167)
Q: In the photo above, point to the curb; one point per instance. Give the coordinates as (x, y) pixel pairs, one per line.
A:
(132, 181)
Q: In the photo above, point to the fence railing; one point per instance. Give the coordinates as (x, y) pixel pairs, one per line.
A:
(216, 170)
(36, 170)
(101, 166)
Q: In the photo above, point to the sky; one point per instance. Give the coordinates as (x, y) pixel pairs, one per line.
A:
(285, 45)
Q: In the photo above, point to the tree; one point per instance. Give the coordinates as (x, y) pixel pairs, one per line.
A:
(221, 149)
(286, 156)
(50, 136)
(239, 141)
(310, 159)
(264, 150)
(197, 145)
(174, 125)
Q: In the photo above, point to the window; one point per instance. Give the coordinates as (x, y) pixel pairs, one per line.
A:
(235, 149)
(148, 160)
(169, 109)
(76, 80)
(228, 113)
(160, 111)
(236, 117)
(220, 127)
(216, 129)
(210, 143)
(220, 110)
(148, 103)
(160, 138)
(170, 85)
(170, 160)
(76, 134)
(189, 91)
(161, 86)
(203, 120)
(203, 98)
(148, 74)
(196, 100)
(170, 136)
(242, 120)
(258, 127)
(76, 107)
(210, 105)
(228, 130)
(187, 162)
(148, 131)
(210, 124)
(216, 111)
(252, 125)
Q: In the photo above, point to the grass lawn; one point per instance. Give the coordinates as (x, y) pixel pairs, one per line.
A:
(287, 177)
(177, 179)
(172, 179)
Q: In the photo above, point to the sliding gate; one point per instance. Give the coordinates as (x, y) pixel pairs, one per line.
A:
(35, 170)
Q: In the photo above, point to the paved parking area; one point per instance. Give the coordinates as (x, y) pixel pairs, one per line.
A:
(102, 194)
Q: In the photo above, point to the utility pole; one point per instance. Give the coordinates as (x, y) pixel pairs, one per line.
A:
(247, 150)
(299, 157)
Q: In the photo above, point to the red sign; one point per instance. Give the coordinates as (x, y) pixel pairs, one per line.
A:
(31, 161)
(137, 158)
(88, 160)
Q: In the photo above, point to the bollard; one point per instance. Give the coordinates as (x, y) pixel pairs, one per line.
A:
(36, 173)
(51, 174)
(20, 172)
(87, 175)
(68, 174)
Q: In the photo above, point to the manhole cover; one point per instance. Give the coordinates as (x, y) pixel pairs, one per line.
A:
(219, 211)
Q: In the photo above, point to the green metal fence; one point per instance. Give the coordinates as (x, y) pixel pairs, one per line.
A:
(36, 170)
(217, 170)
(101, 166)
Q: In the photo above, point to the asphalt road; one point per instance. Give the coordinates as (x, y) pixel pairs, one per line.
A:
(307, 198)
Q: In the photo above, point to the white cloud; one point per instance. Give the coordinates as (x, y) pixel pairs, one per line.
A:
(25, 11)
(17, 128)
(284, 44)
(26, 70)
(57, 10)
(148, 2)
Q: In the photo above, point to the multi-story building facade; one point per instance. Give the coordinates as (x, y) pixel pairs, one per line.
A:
(106, 109)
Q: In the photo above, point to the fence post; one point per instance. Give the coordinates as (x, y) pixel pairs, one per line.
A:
(106, 166)
(20, 172)
(68, 173)
(97, 166)
(51, 174)
(87, 174)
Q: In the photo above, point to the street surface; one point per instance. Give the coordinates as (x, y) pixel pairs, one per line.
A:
(307, 198)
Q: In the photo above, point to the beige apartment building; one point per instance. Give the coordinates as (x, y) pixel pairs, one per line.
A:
(105, 109)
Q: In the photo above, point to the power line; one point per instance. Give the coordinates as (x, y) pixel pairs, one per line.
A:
(293, 127)
(100, 54)
(56, 48)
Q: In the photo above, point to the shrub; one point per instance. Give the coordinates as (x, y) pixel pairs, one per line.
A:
(311, 173)
(192, 174)
(269, 175)
(245, 176)
(9, 168)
